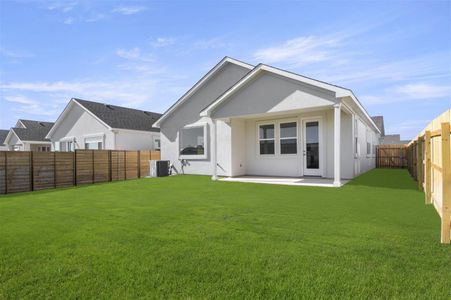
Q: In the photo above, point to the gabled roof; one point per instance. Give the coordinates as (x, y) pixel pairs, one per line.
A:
(339, 91)
(379, 121)
(3, 134)
(113, 116)
(34, 131)
(200, 83)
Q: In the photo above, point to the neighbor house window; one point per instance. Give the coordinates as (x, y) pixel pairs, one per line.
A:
(368, 148)
(288, 138)
(94, 145)
(266, 139)
(192, 141)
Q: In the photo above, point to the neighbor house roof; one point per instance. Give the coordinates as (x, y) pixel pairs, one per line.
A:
(379, 120)
(113, 116)
(338, 90)
(3, 134)
(200, 83)
(34, 131)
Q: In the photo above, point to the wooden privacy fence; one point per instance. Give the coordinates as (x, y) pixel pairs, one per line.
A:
(32, 171)
(391, 156)
(429, 162)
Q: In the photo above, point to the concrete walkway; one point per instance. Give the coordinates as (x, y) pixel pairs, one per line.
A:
(296, 181)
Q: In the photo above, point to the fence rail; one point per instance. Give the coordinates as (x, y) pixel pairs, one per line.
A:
(429, 163)
(32, 171)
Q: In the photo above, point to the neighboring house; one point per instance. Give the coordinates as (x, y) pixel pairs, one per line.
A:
(241, 119)
(388, 139)
(3, 134)
(92, 125)
(29, 135)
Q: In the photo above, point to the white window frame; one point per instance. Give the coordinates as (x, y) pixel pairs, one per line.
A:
(280, 138)
(198, 156)
(94, 138)
(369, 144)
(154, 142)
(274, 123)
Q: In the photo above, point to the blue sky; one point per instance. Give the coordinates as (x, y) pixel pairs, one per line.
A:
(395, 56)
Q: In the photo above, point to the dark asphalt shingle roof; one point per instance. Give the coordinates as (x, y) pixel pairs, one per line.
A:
(122, 117)
(3, 134)
(379, 121)
(34, 131)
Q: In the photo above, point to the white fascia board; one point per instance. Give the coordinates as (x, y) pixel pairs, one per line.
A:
(199, 84)
(363, 110)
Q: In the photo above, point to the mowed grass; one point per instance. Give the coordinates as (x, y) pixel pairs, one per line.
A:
(189, 237)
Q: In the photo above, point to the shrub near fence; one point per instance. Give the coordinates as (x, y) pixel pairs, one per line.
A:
(31, 171)
(429, 162)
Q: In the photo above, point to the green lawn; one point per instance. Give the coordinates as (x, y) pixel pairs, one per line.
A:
(189, 237)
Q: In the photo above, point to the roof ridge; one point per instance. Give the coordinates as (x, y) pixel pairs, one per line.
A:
(102, 103)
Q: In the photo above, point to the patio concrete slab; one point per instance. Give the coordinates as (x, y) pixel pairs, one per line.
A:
(296, 181)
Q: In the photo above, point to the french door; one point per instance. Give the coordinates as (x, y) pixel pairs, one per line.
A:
(312, 147)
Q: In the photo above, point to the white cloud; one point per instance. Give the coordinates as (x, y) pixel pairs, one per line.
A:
(129, 10)
(14, 53)
(300, 51)
(126, 92)
(163, 42)
(64, 6)
(96, 17)
(25, 105)
(412, 92)
(135, 54)
(423, 91)
(69, 21)
(212, 43)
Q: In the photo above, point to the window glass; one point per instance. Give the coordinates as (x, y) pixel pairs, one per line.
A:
(63, 146)
(288, 138)
(368, 148)
(312, 144)
(156, 144)
(266, 141)
(267, 131)
(192, 141)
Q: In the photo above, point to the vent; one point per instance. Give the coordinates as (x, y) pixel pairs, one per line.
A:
(109, 106)
(42, 124)
(147, 113)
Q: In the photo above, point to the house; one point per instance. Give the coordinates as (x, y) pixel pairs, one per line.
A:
(3, 134)
(29, 135)
(241, 119)
(388, 139)
(92, 125)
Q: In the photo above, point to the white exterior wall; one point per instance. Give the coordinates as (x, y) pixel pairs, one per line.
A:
(364, 133)
(135, 140)
(188, 113)
(79, 124)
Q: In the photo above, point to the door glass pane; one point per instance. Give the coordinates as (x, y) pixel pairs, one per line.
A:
(267, 131)
(312, 144)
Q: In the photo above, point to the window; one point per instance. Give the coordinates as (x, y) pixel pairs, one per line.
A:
(192, 141)
(156, 144)
(288, 138)
(93, 145)
(368, 148)
(43, 148)
(266, 139)
(66, 146)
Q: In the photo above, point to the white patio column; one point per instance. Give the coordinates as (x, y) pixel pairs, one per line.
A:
(337, 144)
(214, 162)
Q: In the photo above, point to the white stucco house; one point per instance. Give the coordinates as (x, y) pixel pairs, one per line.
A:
(92, 125)
(241, 119)
(28, 135)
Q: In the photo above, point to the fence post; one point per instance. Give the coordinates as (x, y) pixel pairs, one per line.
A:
(125, 165)
(6, 172)
(420, 164)
(446, 186)
(54, 170)
(75, 166)
(93, 166)
(139, 164)
(31, 172)
(427, 167)
(110, 167)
